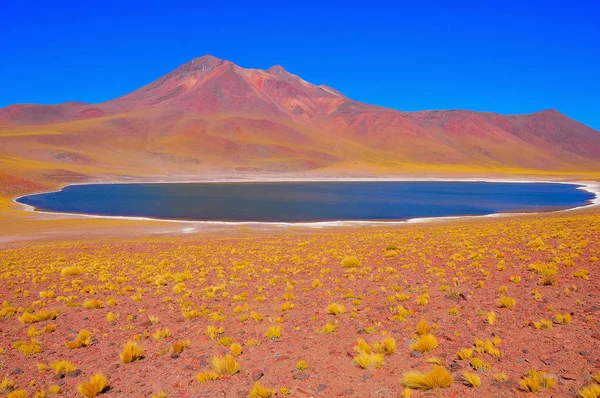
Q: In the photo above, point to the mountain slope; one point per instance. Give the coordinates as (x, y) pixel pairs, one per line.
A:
(211, 116)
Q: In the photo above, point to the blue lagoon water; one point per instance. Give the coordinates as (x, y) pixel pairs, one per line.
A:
(308, 201)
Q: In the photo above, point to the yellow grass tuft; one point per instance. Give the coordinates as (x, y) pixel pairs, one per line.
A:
(17, 394)
(543, 324)
(500, 376)
(426, 343)
(62, 367)
(423, 327)
(40, 316)
(351, 262)
(273, 332)
(179, 346)
(236, 349)
(479, 364)
(161, 334)
(335, 309)
(83, 339)
(534, 381)
(591, 391)
(226, 365)
(490, 318)
(131, 352)
(7, 384)
(31, 348)
(328, 328)
(207, 376)
(563, 319)
(465, 353)
(71, 271)
(93, 304)
(369, 360)
(506, 302)
(302, 365)
(212, 331)
(95, 386)
(54, 389)
(438, 377)
(259, 391)
(471, 379)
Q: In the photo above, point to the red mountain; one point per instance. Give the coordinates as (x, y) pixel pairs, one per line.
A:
(210, 115)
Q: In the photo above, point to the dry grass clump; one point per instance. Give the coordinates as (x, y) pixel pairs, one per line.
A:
(471, 379)
(7, 384)
(351, 262)
(226, 365)
(71, 271)
(591, 391)
(40, 316)
(179, 346)
(83, 339)
(207, 376)
(543, 324)
(335, 309)
(437, 377)
(95, 386)
(93, 304)
(367, 358)
(273, 332)
(506, 302)
(465, 353)
(236, 349)
(161, 334)
(302, 365)
(479, 364)
(258, 391)
(534, 381)
(31, 348)
(425, 343)
(131, 352)
(387, 347)
(61, 368)
(563, 319)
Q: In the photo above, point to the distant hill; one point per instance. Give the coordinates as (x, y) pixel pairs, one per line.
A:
(211, 116)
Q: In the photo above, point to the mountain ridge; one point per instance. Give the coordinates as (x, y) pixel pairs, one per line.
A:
(210, 115)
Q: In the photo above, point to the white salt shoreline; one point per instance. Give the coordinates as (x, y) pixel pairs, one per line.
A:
(589, 186)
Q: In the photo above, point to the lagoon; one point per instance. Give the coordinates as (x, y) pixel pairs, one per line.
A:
(308, 201)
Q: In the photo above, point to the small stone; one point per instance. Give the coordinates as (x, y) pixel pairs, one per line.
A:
(174, 355)
(74, 373)
(322, 387)
(301, 376)
(416, 354)
(455, 367)
(568, 376)
(367, 376)
(525, 351)
(17, 371)
(257, 374)
(584, 353)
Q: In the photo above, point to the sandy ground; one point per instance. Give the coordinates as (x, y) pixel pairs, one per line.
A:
(126, 280)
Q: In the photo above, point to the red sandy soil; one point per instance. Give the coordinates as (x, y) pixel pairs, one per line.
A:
(220, 274)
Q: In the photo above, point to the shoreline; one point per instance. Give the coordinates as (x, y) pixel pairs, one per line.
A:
(589, 186)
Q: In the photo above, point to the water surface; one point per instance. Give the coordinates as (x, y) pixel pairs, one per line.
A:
(308, 201)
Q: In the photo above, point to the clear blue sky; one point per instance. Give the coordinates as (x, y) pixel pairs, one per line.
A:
(479, 55)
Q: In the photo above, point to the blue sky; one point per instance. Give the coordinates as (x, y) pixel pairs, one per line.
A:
(478, 55)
